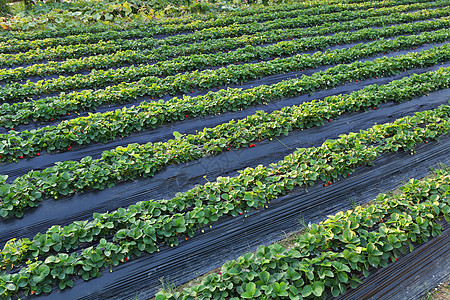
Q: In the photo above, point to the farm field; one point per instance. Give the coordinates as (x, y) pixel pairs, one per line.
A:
(139, 159)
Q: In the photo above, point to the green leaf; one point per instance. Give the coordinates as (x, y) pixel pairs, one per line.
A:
(23, 281)
(307, 290)
(318, 288)
(264, 276)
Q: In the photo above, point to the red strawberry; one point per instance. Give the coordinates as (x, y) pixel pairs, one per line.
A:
(374, 108)
(329, 120)
(37, 154)
(20, 157)
(228, 149)
(185, 116)
(240, 213)
(126, 258)
(52, 120)
(231, 145)
(259, 141)
(33, 292)
(69, 114)
(73, 190)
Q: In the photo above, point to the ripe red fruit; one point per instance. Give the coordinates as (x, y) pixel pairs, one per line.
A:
(325, 184)
(69, 114)
(20, 157)
(126, 258)
(228, 149)
(32, 292)
(52, 120)
(73, 190)
(329, 120)
(240, 213)
(37, 120)
(231, 145)
(348, 174)
(356, 80)
(185, 116)
(259, 141)
(37, 154)
(171, 163)
(185, 239)
(374, 108)
(68, 149)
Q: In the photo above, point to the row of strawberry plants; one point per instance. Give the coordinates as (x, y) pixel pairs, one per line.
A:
(234, 28)
(51, 107)
(193, 22)
(202, 194)
(121, 58)
(333, 254)
(261, 185)
(114, 166)
(113, 45)
(104, 127)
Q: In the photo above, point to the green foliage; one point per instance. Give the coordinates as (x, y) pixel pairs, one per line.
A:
(107, 126)
(325, 259)
(4, 8)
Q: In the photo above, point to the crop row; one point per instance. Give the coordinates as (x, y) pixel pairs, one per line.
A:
(329, 257)
(165, 50)
(104, 127)
(46, 109)
(193, 22)
(251, 189)
(237, 29)
(189, 63)
(123, 164)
